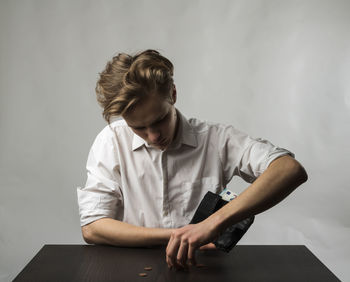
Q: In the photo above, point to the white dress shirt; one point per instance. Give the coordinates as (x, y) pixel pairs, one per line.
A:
(129, 180)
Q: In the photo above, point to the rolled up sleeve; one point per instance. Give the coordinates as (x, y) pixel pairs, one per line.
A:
(245, 156)
(102, 195)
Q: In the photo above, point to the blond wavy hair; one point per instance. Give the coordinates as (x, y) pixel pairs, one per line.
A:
(128, 79)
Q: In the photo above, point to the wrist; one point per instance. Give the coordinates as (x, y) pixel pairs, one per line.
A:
(164, 234)
(215, 223)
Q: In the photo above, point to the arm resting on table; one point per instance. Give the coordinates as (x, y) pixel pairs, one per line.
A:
(114, 232)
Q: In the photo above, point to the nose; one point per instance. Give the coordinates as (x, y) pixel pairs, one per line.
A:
(153, 135)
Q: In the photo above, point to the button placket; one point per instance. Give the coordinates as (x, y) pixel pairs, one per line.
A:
(166, 218)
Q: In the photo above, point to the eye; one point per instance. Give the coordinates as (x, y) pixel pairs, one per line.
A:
(163, 119)
(159, 121)
(138, 128)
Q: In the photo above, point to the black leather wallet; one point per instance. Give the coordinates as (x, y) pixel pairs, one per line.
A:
(230, 237)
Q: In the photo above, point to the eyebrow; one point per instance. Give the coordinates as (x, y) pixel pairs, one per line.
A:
(155, 121)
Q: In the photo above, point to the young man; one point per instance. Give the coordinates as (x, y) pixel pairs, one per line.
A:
(148, 172)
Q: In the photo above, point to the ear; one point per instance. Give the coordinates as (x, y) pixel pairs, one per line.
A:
(173, 95)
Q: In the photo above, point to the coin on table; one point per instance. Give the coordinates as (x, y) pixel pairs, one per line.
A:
(200, 265)
(148, 268)
(143, 274)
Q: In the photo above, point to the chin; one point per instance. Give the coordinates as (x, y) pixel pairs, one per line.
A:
(162, 146)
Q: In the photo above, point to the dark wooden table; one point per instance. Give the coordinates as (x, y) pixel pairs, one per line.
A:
(106, 263)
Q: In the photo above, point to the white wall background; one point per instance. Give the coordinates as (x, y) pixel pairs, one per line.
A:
(275, 69)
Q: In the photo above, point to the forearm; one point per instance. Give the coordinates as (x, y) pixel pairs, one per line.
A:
(277, 182)
(113, 232)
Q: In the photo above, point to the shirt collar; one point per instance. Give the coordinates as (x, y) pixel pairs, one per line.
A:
(137, 142)
(185, 135)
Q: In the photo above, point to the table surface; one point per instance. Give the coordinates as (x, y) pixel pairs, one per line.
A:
(108, 263)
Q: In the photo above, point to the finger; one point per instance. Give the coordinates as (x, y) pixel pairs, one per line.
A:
(168, 261)
(191, 255)
(209, 246)
(172, 252)
(182, 254)
(169, 243)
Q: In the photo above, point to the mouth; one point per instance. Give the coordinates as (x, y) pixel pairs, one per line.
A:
(161, 143)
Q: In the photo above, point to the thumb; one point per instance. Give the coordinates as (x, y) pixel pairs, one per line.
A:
(209, 246)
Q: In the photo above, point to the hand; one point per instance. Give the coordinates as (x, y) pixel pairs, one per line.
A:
(184, 241)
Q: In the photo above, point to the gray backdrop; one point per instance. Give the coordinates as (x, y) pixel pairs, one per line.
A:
(274, 69)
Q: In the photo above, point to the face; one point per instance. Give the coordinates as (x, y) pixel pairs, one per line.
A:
(154, 120)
